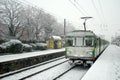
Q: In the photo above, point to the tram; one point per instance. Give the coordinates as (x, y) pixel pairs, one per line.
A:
(84, 46)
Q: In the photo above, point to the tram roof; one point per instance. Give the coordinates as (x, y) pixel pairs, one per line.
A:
(80, 33)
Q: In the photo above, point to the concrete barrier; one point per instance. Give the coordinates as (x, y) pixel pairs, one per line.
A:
(16, 64)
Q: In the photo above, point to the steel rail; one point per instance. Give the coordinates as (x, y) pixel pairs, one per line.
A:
(42, 70)
(27, 68)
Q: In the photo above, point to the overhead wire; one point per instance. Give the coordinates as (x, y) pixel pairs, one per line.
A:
(27, 3)
(77, 8)
(97, 12)
(101, 10)
(104, 23)
(81, 7)
(78, 5)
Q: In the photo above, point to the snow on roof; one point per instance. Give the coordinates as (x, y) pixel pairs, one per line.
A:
(5, 58)
(80, 33)
(56, 37)
(107, 66)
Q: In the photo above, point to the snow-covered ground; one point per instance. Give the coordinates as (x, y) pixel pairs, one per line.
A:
(32, 71)
(28, 54)
(107, 67)
(75, 74)
(51, 73)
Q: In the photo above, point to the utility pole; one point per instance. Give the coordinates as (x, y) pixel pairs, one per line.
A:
(85, 18)
(64, 31)
(64, 27)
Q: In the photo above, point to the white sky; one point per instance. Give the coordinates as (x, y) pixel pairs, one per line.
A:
(105, 13)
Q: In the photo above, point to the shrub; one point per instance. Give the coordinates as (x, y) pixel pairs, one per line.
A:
(2, 49)
(41, 46)
(29, 41)
(13, 46)
(27, 48)
(34, 46)
(2, 41)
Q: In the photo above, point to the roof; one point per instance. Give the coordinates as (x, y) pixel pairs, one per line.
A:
(80, 33)
(56, 37)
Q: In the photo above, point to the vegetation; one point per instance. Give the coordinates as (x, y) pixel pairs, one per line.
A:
(27, 24)
(12, 46)
(24, 22)
(16, 46)
(116, 41)
(27, 47)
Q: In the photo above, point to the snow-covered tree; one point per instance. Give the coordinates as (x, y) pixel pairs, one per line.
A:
(10, 13)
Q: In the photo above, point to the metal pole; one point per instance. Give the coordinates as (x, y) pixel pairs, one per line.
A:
(84, 25)
(64, 27)
(85, 18)
(65, 32)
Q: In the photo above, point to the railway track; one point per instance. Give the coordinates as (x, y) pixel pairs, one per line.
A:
(50, 70)
(74, 74)
(42, 70)
(59, 61)
(52, 73)
(63, 73)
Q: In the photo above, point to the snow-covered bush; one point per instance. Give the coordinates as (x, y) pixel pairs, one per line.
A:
(41, 46)
(34, 46)
(27, 48)
(13, 46)
(2, 49)
(38, 46)
(2, 41)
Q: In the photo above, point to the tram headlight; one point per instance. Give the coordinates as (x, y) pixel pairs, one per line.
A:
(69, 52)
(89, 52)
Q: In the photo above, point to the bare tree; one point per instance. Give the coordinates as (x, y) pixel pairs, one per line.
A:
(48, 24)
(69, 27)
(58, 29)
(27, 22)
(40, 22)
(10, 15)
(33, 21)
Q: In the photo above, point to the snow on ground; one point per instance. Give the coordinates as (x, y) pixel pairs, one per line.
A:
(20, 75)
(107, 67)
(51, 73)
(75, 74)
(28, 54)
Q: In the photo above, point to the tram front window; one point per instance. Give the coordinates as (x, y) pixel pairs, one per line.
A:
(70, 42)
(79, 41)
(89, 41)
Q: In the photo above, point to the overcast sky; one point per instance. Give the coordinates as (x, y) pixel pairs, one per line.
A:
(105, 13)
